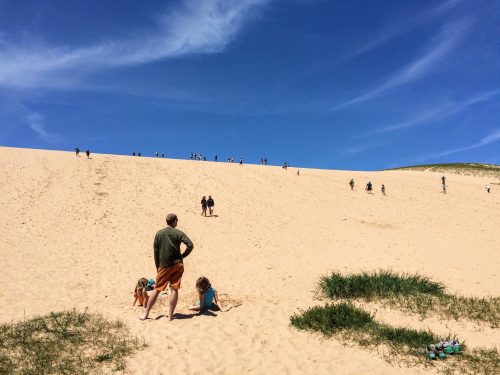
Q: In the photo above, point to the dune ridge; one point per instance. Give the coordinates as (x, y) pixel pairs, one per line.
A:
(78, 233)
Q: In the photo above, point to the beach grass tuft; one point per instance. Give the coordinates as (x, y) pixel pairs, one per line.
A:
(467, 169)
(410, 293)
(69, 342)
(360, 326)
(381, 284)
(403, 345)
(332, 318)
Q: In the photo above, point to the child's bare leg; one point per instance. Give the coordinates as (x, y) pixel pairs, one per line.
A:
(150, 304)
(174, 295)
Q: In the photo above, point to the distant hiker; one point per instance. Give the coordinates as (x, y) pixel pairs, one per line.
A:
(77, 151)
(88, 154)
(156, 153)
(204, 206)
(204, 158)
(139, 154)
(241, 161)
(162, 155)
(298, 172)
(351, 183)
(382, 189)
(369, 187)
(169, 263)
(199, 156)
(487, 187)
(265, 161)
(215, 157)
(443, 181)
(210, 205)
(133, 153)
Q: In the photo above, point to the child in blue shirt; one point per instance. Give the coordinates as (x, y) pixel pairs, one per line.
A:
(207, 296)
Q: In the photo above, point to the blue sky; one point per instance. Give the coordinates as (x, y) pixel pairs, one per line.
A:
(360, 85)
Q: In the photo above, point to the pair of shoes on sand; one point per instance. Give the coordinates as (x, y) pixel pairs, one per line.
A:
(439, 350)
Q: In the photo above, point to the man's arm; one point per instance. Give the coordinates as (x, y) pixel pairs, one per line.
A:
(156, 247)
(189, 245)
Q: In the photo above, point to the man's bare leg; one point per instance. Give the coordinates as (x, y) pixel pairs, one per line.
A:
(174, 295)
(149, 306)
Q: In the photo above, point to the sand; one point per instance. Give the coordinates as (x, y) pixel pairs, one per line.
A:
(78, 233)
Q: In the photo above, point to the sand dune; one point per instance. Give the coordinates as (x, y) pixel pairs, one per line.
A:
(78, 233)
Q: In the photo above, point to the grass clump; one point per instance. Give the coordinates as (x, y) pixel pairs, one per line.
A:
(381, 284)
(330, 319)
(410, 293)
(69, 342)
(467, 169)
(407, 345)
(358, 325)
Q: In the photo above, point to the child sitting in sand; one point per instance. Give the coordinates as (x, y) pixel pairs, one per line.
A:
(207, 296)
(141, 291)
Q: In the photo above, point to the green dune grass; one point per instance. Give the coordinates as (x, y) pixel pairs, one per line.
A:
(69, 342)
(410, 293)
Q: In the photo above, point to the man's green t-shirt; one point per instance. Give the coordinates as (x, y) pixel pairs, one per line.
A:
(167, 247)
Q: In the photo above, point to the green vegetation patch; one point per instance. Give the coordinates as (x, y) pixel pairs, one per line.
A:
(404, 344)
(410, 293)
(381, 284)
(467, 169)
(331, 319)
(360, 326)
(66, 343)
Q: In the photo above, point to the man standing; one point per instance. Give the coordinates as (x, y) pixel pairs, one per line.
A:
(210, 205)
(169, 263)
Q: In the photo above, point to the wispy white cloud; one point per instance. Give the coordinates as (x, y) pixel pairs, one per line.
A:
(201, 26)
(439, 113)
(494, 136)
(37, 123)
(403, 26)
(439, 48)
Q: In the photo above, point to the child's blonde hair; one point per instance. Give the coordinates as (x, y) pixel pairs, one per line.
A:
(202, 284)
(141, 283)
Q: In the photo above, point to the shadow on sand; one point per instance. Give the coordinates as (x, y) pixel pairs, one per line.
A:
(181, 316)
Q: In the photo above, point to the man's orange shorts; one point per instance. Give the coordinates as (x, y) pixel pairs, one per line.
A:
(169, 275)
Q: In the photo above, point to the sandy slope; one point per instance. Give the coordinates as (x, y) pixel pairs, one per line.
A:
(78, 233)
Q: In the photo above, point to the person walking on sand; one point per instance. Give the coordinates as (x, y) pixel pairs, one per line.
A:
(169, 263)
(210, 205)
(77, 151)
(369, 187)
(204, 206)
(443, 181)
(382, 189)
(351, 183)
(88, 154)
(487, 187)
